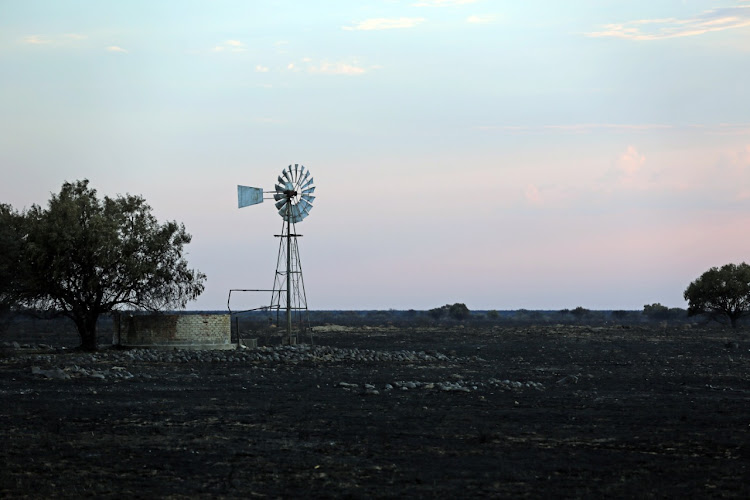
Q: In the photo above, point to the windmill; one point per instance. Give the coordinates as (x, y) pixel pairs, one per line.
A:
(293, 198)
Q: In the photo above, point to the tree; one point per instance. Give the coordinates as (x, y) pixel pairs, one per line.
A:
(459, 311)
(9, 252)
(656, 311)
(721, 292)
(456, 311)
(580, 312)
(437, 312)
(85, 256)
(11, 241)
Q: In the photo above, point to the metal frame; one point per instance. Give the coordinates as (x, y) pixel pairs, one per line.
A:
(288, 278)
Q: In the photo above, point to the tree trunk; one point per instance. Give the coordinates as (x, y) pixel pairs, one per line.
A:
(87, 331)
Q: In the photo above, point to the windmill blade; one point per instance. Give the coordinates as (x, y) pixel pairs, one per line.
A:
(281, 181)
(309, 198)
(280, 204)
(296, 171)
(279, 188)
(306, 205)
(278, 196)
(308, 183)
(304, 177)
(297, 215)
(309, 190)
(282, 213)
(286, 174)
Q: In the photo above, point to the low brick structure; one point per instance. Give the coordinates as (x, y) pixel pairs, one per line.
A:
(173, 331)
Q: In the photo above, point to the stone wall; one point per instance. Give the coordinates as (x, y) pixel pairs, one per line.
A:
(179, 331)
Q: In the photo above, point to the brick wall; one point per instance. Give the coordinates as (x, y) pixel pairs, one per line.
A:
(208, 331)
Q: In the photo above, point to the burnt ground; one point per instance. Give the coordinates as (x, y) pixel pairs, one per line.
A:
(612, 412)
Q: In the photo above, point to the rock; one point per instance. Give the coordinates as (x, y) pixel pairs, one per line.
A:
(54, 373)
(570, 379)
(15, 345)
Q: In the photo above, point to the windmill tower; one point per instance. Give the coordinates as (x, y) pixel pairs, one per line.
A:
(293, 197)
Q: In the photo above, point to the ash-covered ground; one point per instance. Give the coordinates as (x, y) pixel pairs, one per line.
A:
(564, 411)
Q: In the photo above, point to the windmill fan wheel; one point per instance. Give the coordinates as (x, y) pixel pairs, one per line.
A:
(294, 193)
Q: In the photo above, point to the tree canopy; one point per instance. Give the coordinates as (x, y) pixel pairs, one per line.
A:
(457, 311)
(10, 252)
(85, 256)
(721, 292)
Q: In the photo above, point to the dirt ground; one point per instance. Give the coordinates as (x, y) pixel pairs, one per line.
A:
(543, 411)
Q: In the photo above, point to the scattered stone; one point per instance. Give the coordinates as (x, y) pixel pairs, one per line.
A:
(54, 373)
(570, 379)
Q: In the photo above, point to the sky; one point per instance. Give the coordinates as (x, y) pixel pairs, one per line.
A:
(504, 154)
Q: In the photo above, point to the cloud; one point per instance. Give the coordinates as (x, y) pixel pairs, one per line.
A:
(36, 40)
(115, 48)
(631, 161)
(485, 19)
(261, 69)
(349, 68)
(658, 29)
(337, 68)
(442, 3)
(578, 128)
(230, 46)
(54, 40)
(532, 195)
(382, 23)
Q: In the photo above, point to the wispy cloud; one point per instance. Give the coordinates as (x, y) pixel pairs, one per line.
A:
(577, 128)
(337, 68)
(261, 69)
(115, 48)
(483, 19)
(442, 3)
(230, 46)
(657, 29)
(350, 68)
(631, 161)
(54, 40)
(37, 40)
(532, 194)
(382, 23)
(728, 129)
